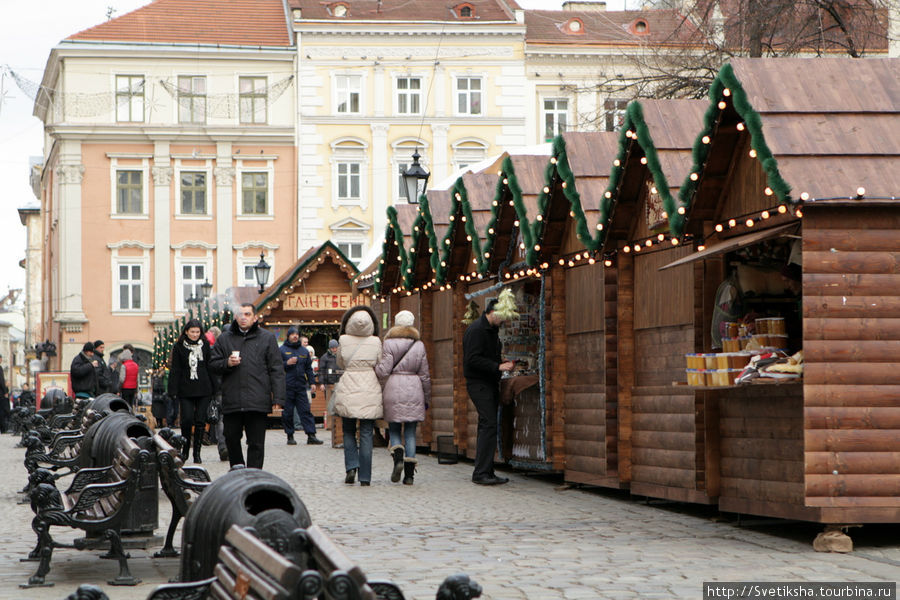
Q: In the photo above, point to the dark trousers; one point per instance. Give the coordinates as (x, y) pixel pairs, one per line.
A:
(486, 398)
(297, 399)
(129, 395)
(5, 413)
(254, 424)
(193, 412)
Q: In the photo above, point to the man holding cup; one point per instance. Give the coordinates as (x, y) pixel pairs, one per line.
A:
(249, 361)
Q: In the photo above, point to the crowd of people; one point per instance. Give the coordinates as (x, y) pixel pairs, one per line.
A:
(229, 380)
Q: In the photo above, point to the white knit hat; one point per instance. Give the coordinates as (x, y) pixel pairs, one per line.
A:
(404, 318)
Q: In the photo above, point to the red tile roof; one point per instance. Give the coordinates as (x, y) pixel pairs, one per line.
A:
(229, 22)
(607, 27)
(405, 10)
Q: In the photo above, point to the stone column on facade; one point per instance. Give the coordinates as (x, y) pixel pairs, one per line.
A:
(224, 173)
(440, 101)
(162, 237)
(69, 290)
(440, 166)
(382, 170)
(379, 90)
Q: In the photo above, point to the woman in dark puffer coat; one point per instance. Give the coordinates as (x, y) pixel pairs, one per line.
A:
(406, 383)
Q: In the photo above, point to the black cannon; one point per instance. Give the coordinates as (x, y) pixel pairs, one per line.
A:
(244, 497)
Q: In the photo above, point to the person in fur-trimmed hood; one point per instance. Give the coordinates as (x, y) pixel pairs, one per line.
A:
(357, 394)
(406, 390)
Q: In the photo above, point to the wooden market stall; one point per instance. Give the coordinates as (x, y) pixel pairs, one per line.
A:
(823, 447)
(312, 295)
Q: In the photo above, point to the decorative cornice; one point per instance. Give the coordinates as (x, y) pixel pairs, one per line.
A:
(255, 244)
(162, 175)
(193, 244)
(70, 173)
(129, 244)
(403, 51)
(71, 322)
(380, 129)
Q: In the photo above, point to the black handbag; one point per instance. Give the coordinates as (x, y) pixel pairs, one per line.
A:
(214, 412)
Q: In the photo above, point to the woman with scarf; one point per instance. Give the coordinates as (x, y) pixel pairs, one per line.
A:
(191, 384)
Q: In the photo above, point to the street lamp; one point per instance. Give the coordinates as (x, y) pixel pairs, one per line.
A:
(262, 269)
(414, 179)
(192, 303)
(205, 289)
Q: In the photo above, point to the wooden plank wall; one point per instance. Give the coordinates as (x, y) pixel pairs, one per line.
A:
(743, 190)
(761, 443)
(851, 331)
(668, 451)
(441, 361)
(590, 422)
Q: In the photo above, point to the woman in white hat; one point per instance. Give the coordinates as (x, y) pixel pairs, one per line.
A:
(406, 383)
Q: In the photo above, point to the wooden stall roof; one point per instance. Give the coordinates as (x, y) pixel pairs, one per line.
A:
(297, 271)
(821, 129)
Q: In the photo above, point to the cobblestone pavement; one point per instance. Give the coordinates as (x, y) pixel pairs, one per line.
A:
(532, 538)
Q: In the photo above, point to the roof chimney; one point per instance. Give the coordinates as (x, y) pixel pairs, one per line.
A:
(585, 5)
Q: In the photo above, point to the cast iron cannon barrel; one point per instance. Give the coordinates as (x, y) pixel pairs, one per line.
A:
(245, 497)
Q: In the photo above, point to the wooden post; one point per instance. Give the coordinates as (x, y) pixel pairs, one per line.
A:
(625, 351)
(556, 368)
(611, 369)
(426, 328)
(460, 395)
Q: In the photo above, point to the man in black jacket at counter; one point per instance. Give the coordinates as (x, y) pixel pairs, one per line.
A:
(249, 361)
(482, 368)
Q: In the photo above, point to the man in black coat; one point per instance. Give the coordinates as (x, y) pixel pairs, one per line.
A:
(84, 372)
(249, 362)
(482, 368)
(104, 373)
(5, 410)
(299, 378)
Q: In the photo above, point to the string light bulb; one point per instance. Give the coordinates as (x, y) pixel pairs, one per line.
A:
(752, 153)
(546, 190)
(799, 213)
(599, 226)
(741, 127)
(607, 263)
(860, 192)
(694, 176)
(661, 237)
(782, 209)
(726, 92)
(626, 249)
(705, 139)
(617, 163)
(804, 196)
(764, 214)
(749, 222)
(681, 210)
(732, 222)
(719, 227)
(643, 160)
(722, 105)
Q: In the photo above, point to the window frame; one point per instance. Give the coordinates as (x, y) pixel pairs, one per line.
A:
(349, 151)
(253, 95)
(407, 93)
(193, 97)
(130, 264)
(144, 168)
(336, 92)
(613, 107)
(482, 91)
(206, 169)
(255, 166)
(131, 95)
(556, 112)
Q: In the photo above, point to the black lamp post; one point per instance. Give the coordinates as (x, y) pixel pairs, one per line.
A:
(192, 303)
(415, 179)
(262, 269)
(205, 289)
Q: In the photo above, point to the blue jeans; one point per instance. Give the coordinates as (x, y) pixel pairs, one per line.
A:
(358, 457)
(408, 436)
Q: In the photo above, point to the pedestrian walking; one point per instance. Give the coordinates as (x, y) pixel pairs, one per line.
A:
(249, 362)
(84, 372)
(482, 368)
(218, 428)
(299, 379)
(357, 394)
(191, 383)
(128, 376)
(406, 391)
(104, 376)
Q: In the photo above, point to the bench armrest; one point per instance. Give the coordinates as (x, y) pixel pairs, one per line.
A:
(86, 477)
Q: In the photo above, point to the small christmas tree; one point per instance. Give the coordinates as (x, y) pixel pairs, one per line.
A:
(506, 306)
(472, 313)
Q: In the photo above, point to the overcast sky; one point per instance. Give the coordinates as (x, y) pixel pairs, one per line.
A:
(28, 31)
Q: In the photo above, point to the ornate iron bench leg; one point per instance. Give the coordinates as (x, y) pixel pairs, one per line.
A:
(168, 550)
(115, 547)
(45, 551)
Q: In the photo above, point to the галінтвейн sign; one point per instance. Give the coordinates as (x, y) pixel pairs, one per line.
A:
(322, 301)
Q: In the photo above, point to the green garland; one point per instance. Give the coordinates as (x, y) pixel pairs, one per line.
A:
(509, 172)
(752, 120)
(492, 222)
(424, 223)
(459, 207)
(391, 231)
(571, 193)
(537, 228)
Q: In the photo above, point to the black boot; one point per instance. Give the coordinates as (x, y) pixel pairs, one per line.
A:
(186, 446)
(397, 453)
(312, 440)
(198, 443)
(409, 469)
(351, 476)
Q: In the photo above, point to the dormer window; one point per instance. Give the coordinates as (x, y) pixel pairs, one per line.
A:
(574, 26)
(339, 10)
(640, 27)
(464, 11)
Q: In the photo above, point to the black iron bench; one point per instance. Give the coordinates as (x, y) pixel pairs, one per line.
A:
(312, 566)
(97, 502)
(181, 484)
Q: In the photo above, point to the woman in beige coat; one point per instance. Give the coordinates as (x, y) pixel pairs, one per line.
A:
(358, 393)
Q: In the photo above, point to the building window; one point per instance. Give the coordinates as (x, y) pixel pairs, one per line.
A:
(468, 152)
(352, 250)
(129, 282)
(129, 98)
(129, 192)
(556, 112)
(192, 277)
(614, 114)
(348, 180)
(468, 95)
(248, 276)
(255, 193)
(409, 95)
(191, 99)
(401, 186)
(347, 91)
(253, 99)
(193, 193)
